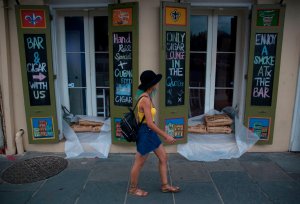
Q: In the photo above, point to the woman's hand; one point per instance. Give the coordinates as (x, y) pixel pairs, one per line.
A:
(169, 139)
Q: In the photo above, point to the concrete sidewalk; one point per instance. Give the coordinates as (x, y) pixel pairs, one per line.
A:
(253, 178)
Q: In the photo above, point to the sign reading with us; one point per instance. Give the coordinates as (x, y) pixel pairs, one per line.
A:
(37, 69)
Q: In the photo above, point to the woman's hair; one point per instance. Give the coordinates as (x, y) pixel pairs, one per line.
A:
(139, 92)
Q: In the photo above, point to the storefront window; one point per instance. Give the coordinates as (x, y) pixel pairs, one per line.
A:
(74, 32)
(84, 61)
(198, 64)
(101, 64)
(226, 46)
(212, 61)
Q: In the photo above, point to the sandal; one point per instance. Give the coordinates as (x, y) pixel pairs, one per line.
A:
(134, 190)
(166, 188)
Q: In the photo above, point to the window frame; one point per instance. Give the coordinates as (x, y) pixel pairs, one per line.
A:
(88, 16)
(241, 53)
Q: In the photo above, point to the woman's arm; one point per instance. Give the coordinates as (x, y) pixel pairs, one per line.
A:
(145, 105)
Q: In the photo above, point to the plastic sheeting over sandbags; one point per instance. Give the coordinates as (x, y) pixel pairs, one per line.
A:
(88, 145)
(212, 147)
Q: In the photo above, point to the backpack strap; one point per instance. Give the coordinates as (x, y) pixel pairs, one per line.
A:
(138, 102)
(140, 123)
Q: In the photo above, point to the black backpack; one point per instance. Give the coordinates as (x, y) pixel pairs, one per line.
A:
(129, 124)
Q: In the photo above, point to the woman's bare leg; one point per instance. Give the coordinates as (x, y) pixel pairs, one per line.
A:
(160, 152)
(136, 168)
(163, 169)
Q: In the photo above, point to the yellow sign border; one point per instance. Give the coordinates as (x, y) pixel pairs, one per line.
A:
(176, 16)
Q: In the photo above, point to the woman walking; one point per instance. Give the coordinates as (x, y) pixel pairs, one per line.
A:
(148, 139)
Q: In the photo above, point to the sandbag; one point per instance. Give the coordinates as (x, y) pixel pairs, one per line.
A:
(84, 128)
(201, 129)
(219, 129)
(217, 120)
(89, 123)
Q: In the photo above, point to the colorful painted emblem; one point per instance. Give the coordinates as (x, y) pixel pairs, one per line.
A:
(175, 127)
(122, 17)
(118, 129)
(260, 126)
(31, 18)
(42, 128)
(267, 17)
(176, 16)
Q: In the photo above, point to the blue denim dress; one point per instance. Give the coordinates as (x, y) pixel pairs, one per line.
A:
(147, 140)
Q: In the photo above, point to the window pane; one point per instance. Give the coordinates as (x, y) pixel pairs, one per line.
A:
(225, 70)
(197, 70)
(102, 102)
(76, 70)
(74, 34)
(77, 101)
(196, 102)
(226, 33)
(223, 98)
(101, 33)
(198, 33)
(101, 63)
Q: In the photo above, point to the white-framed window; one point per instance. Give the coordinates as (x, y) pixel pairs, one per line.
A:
(216, 59)
(83, 61)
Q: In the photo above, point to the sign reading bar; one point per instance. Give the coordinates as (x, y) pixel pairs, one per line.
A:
(37, 69)
(263, 69)
(175, 67)
(34, 37)
(122, 64)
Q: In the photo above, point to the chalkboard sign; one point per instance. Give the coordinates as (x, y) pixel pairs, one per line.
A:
(122, 66)
(37, 69)
(175, 67)
(263, 69)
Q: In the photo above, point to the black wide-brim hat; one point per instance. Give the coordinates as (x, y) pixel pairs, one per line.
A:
(148, 79)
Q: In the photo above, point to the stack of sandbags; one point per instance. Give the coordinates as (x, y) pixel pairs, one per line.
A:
(87, 126)
(199, 128)
(219, 123)
(215, 124)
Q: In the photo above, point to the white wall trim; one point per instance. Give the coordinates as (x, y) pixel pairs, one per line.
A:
(222, 5)
(79, 6)
(245, 44)
(57, 84)
(6, 77)
(295, 134)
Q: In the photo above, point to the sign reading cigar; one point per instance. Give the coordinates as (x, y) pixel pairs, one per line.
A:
(37, 69)
(174, 66)
(33, 24)
(123, 62)
(263, 70)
